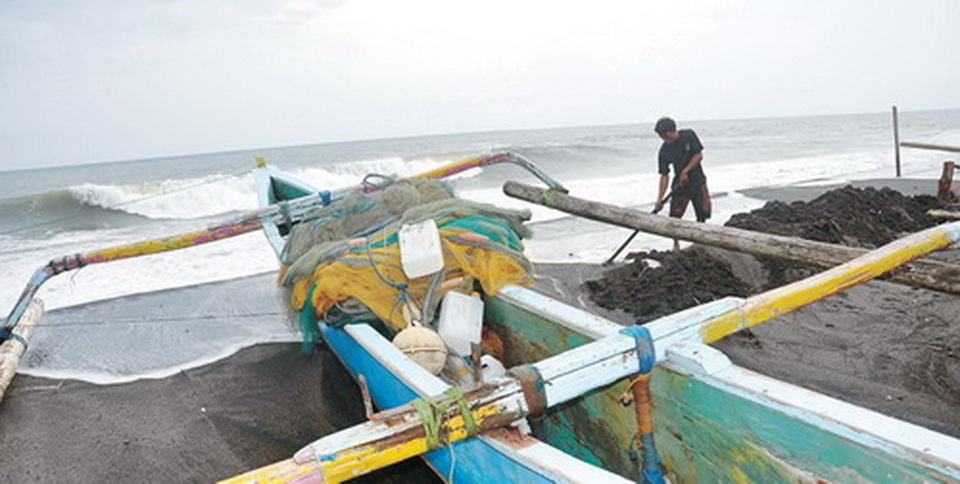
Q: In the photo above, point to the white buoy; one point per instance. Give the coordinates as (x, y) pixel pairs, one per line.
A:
(422, 345)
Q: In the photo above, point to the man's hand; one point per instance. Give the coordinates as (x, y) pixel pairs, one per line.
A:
(657, 207)
(684, 176)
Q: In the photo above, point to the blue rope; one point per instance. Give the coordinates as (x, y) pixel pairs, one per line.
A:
(650, 470)
(645, 351)
(6, 334)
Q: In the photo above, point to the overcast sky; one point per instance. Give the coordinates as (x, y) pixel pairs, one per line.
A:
(101, 80)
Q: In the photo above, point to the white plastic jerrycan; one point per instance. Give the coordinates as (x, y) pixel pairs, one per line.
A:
(461, 321)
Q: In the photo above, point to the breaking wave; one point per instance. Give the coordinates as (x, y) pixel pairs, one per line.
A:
(93, 206)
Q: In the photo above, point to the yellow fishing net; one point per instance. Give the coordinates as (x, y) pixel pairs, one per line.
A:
(479, 241)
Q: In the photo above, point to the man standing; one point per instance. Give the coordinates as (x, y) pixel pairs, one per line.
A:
(683, 150)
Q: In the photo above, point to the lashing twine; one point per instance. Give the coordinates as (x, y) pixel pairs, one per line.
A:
(432, 413)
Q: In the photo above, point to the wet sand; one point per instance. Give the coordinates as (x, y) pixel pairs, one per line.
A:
(256, 407)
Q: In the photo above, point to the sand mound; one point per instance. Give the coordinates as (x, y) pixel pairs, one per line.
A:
(680, 281)
(848, 216)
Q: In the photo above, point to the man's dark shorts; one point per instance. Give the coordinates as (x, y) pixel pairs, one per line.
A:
(700, 196)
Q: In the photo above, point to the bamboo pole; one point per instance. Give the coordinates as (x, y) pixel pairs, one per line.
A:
(400, 433)
(927, 274)
(12, 349)
(930, 146)
(388, 438)
(771, 304)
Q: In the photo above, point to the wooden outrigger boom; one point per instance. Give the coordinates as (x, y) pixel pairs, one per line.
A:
(291, 211)
(12, 349)
(927, 274)
(401, 433)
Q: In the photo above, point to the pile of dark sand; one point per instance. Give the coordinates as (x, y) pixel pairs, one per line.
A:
(848, 216)
(856, 217)
(672, 283)
(888, 347)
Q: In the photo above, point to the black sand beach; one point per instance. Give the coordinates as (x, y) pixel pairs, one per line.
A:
(256, 407)
(883, 346)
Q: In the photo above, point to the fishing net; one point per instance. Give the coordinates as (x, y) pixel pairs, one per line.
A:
(344, 264)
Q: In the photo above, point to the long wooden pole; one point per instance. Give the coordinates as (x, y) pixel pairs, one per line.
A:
(400, 433)
(926, 274)
(930, 146)
(896, 139)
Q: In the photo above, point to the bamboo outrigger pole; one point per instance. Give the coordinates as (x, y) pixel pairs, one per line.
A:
(12, 349)
(401, 433)
(252, 221)
(927, 274)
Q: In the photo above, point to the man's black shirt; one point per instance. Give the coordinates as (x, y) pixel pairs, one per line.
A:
(678, 154)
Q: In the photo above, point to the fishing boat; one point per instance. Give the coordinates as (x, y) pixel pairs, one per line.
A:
(578, 398)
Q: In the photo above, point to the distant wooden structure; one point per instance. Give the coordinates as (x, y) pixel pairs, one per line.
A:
(946, 186)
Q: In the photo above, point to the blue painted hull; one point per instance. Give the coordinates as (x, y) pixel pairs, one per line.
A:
(473, 460)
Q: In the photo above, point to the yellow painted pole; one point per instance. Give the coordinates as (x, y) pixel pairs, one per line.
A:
(356, 458)
(763, 307)
(175, 242)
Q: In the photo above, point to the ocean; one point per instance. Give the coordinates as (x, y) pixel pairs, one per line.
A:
(52, 212)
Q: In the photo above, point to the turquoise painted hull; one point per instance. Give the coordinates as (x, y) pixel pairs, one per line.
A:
(704, 431)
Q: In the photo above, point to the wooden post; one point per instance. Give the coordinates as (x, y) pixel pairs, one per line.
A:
(896, 139)
(922, 273)
(944, 189)
(12, 349)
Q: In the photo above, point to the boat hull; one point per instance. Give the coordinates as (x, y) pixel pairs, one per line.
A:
(715, 421)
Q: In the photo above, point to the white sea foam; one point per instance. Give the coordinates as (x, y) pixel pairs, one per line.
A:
(220, 194)
(173, 199)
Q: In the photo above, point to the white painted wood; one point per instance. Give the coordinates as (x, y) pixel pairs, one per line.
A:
(685, 325)
(698, 359)
(13, 349)
(559, 313)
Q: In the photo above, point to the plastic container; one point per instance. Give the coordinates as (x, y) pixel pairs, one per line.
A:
(491, 368)
(420, 250)
(461, 321)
